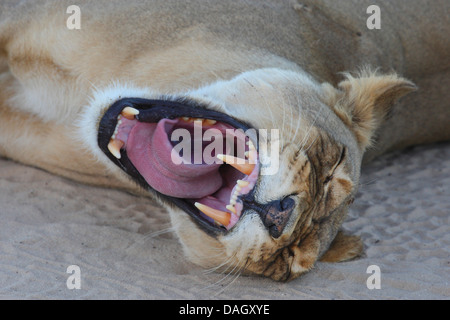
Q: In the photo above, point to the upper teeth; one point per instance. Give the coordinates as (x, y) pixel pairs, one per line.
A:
(239, 164)
(242, 183)
(115, 145)
(129, 113)
(116, 130)
(204, 121)
(246, 166)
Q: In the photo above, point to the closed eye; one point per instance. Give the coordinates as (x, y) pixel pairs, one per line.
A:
(338, 163)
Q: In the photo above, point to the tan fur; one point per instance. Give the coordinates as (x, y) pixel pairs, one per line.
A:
(272, 64)
(344, 247)
(365, 100)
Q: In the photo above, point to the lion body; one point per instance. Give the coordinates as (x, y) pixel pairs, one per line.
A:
(49, 72)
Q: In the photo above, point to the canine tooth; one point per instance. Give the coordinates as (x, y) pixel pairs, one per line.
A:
(245, 168)
(242, 183)
(231, 208)
(220, 216)
(114, 147)
(129, 113)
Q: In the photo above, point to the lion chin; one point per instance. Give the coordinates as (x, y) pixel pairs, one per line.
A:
(282, 114)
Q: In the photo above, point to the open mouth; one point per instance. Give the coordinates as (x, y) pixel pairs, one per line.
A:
(200, 160)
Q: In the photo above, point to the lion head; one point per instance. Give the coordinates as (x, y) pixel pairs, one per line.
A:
(273, 203)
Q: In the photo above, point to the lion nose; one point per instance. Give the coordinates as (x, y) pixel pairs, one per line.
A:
(274, 215)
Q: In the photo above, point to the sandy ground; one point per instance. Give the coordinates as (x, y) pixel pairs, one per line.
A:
(48, 223)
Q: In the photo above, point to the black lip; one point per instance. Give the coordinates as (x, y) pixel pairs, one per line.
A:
(153, 111)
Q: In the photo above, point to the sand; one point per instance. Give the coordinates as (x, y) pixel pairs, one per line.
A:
(125, 249)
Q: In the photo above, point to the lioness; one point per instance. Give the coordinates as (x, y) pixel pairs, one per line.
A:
(100, 104)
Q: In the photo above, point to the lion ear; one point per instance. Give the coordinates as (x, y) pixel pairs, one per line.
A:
(362, 102)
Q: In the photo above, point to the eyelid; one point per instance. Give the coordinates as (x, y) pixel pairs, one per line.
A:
(341, 159)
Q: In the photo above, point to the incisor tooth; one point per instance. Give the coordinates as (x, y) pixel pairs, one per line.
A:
(114, 146)
(231, 208)
(252, 156)
(220, 216)
(245, 168)
(242, 183)
(129, 113)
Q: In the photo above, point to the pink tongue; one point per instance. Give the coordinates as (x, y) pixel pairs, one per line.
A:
(149, 149)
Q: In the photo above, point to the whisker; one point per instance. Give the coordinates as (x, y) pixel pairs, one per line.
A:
(308, 132)
(310, 145)
(93, 85)
(368, 183)
(264, 99)
(224, 277)
(214, 269)
(158, 233)
(235, 277)
(150, 236)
